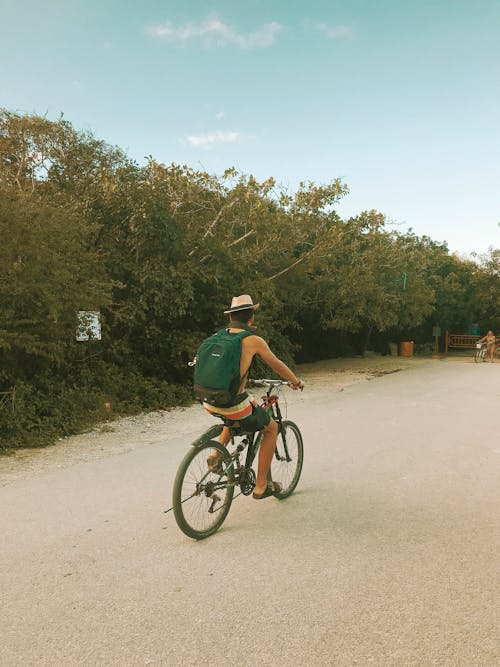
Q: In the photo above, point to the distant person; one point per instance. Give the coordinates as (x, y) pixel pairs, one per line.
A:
(490, 340)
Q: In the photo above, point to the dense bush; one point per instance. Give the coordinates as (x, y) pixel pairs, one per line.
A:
(47, 409)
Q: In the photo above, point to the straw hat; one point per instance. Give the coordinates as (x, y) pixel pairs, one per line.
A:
(242, 302)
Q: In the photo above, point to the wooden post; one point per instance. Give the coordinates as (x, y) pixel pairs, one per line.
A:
(446, 341)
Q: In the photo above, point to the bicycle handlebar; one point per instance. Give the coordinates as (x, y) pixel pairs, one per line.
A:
(262, 382)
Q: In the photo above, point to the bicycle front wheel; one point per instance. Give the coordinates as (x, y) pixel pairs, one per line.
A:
(202, 497)
(287, 462)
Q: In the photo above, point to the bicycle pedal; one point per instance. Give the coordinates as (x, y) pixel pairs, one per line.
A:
(215, 499)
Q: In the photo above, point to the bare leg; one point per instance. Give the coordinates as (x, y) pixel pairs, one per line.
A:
(266, 453)
(224, 438)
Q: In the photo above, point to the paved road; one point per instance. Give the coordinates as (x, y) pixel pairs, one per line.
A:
(388, 553)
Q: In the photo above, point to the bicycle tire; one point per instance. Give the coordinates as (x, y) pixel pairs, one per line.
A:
(192, 497)
(287, 473)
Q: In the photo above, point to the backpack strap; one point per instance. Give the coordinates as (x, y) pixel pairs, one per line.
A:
(247, 331)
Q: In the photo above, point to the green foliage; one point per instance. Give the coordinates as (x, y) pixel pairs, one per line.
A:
(160, 249)
(48, 409)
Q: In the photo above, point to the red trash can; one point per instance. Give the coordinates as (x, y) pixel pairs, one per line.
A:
(406, 348)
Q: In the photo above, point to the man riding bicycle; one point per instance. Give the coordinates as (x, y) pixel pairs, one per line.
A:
(243, 409)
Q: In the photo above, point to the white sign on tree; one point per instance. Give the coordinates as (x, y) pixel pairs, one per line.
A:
(89, 325)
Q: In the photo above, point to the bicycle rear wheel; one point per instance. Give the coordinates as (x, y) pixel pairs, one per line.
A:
(286, 465)
(202, 498)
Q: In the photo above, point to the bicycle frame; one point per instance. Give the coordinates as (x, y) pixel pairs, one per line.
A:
(244, 474)
(250, 441)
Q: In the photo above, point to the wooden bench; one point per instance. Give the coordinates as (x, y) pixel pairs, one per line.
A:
(462, 341)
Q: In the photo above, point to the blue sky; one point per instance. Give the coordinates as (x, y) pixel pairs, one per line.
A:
(399, 99)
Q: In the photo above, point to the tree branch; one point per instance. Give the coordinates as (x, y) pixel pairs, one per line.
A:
(242, 238)
(214, 222)
(288, 268)
(218, 216)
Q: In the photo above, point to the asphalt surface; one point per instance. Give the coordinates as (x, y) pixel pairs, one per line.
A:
(387, 554)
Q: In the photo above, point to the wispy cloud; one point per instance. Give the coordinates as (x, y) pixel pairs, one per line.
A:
(212, 138)
(220, 115)
(214, 32)
(336, 31)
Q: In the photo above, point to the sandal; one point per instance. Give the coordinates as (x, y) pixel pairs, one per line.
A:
(273, 489)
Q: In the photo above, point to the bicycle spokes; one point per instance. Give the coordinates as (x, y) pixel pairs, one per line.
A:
(201, 496)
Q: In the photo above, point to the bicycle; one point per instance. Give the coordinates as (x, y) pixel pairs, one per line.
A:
(481, 353)
(202, 497)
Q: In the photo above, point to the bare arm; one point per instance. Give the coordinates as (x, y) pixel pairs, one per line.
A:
(264, 352)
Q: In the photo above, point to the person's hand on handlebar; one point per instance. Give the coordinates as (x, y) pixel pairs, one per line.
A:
(298, 385)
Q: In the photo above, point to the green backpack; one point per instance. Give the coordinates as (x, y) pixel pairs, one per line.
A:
(217, 368)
